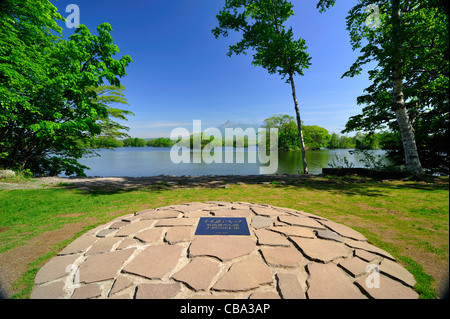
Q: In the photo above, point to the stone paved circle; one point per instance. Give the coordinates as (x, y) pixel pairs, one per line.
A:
(289, 254)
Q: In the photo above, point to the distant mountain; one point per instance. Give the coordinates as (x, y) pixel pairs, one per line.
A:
(229, 124)
(233, 125)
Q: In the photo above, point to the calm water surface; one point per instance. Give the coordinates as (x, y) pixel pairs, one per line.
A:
(150, 161)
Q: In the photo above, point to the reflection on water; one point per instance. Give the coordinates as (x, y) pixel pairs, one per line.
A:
(149, 161)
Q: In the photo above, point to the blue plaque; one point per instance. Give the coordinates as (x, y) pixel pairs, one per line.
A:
(222, 226)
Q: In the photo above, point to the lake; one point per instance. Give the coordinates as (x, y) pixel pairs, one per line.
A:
(153, 161)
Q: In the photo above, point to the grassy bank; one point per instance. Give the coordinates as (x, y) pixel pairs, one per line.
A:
(408, 219)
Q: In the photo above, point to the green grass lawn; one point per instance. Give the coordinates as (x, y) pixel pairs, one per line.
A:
(408, 219)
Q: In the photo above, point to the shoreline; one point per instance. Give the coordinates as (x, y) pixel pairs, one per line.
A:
(186, 181)
(127, 182)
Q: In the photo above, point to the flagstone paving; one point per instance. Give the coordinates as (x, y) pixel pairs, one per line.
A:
(289, 254)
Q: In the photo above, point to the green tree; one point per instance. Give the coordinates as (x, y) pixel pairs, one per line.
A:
(334, 141)
(316, 137)
(48, 114)
(261, 23)
(104, 142)
(134, 142)
(109, 96)
(161, 142)
(346, 142)
(369, 141)
(410, 81)
(288, 138)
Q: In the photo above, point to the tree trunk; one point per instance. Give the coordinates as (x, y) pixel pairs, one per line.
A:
(299, 124)
(412, 160)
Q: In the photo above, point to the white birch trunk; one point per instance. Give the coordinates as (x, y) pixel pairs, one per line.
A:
(412, 160)
(299, 125)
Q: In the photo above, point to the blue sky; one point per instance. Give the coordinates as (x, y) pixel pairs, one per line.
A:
(181, 72)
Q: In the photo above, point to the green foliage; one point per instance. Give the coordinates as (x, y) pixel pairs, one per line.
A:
(416, 45)
(263, 31)
(161, 142)
(287, 131)
(316, 137)
(342, 142)
(323, 5)
(374, 161)
(134, 142)
(369, 141)
(261, 23)
(340, 162)
(105, 142)
(49, 111)
(109, 96)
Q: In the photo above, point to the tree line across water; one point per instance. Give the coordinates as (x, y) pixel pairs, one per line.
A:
(316, 137)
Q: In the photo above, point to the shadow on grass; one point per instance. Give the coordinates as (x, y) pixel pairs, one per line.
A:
(340, 185)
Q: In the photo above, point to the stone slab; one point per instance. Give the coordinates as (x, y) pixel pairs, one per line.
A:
(247, 213)
(388, 289)
(221, 247)
(193, 207)
(295, 231)
(133, 228)
(365, 255)
(157, 291)
(354, 266)
(266, 211)
(281, 256)
(127, 242)
(397, 271)
(79, 245)
(343, 230)
(50, 291)
(120, 224)
(178, 234)
(103, 245)
(261, 222)
(368, 247)
(154, 261)
(109, 263)
(56, 268)
(120, 284)
(330, 235)
(149, 235)
(176, 222)
(321, 250)
(105, 232)
(264, 295)
(245, 275)
(155, 214)
(328, 281)
(271, 238)
(198, 274)
(87, 292)
(289, 286)
(300, 221)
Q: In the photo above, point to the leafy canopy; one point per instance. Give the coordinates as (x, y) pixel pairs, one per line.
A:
(261, 23)
(49, 108)
(421, 49)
